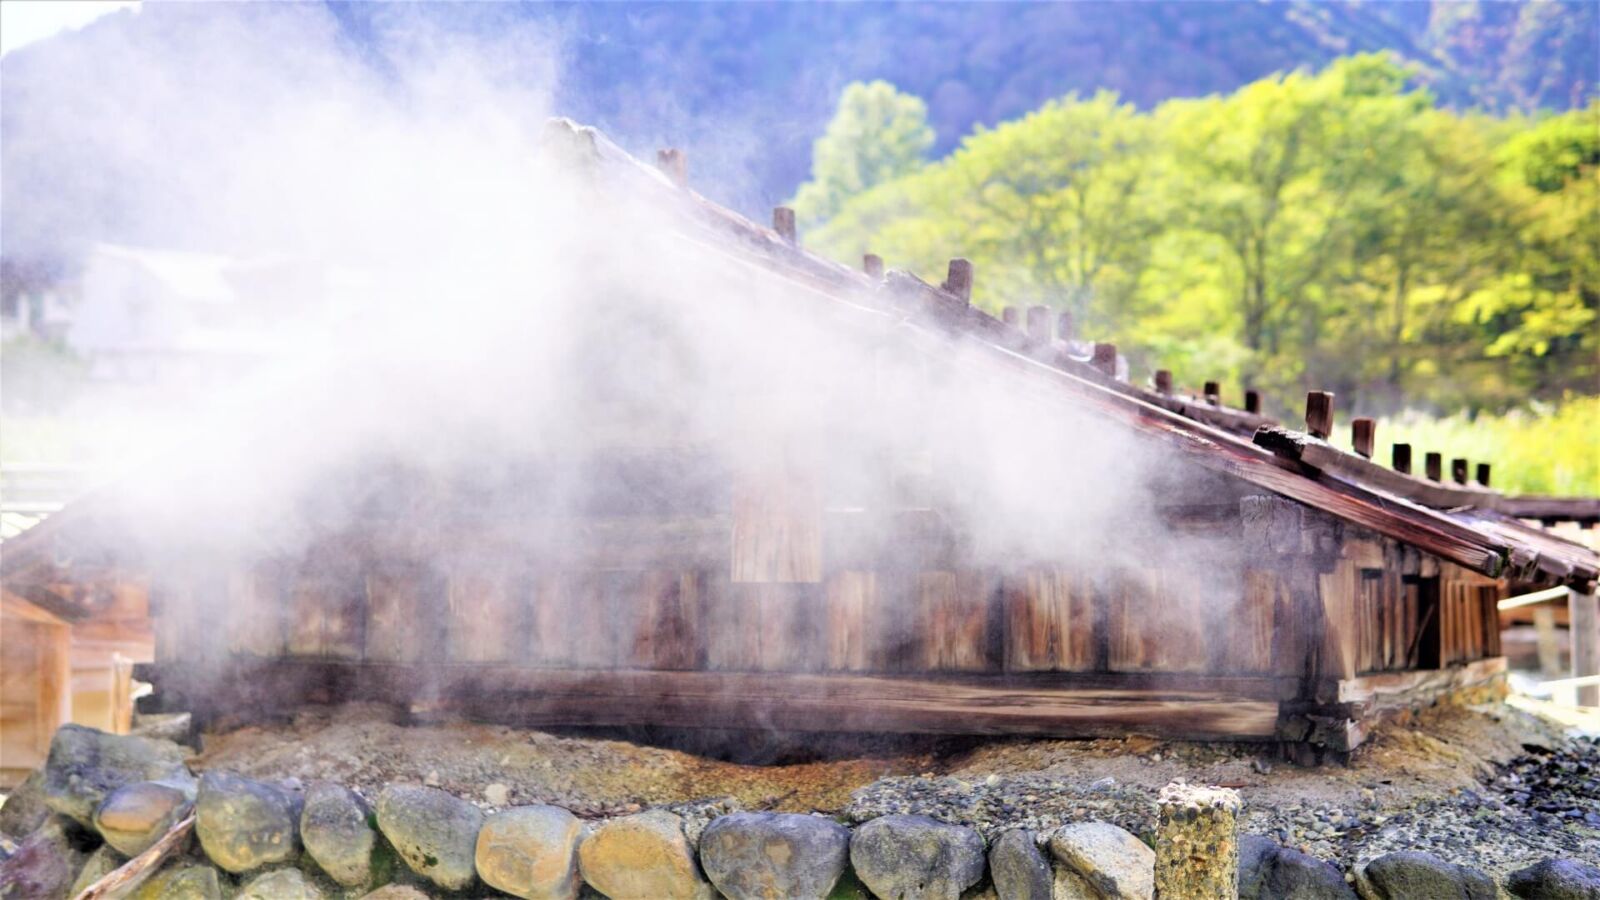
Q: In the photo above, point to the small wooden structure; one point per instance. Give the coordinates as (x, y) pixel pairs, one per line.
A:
(691, 585)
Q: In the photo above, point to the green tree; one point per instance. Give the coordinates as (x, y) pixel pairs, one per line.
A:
(877, 135)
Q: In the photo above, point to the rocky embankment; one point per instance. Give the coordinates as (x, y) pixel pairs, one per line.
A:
(104, 799)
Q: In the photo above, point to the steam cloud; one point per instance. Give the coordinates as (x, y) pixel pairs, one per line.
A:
(483, 309)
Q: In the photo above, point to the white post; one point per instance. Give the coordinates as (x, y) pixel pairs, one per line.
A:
(1584, 616)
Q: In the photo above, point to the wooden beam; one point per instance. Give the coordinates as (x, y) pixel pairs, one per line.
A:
(1363, 434)
(1065, 328)
(783, 224)
(1585, 619)
(1319, 413)
(674, 164)
(1562, 509)
(872, 265)
(1054, 703)
(1400, 458)
(1458, 470)
(1011, 316)
(958, 279)
(1252, 402)
(1433, 466)
(1105, 359)
(1483, 474)
(1213, 393)
(1164, 382)
(1039, 323)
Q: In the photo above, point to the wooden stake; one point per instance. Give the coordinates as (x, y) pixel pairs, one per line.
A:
(783, 224)
(1458, 470)
(1105, 358)
(1010, 316)
(1039, 323)
(1483, 474)
(1433, 466)
(1584, 617)
(1163, 382)
(1213, 393)
(872, 264)
(1064, 327)
(1252, 402)
(1363, 433)
(1400, 457)
(121, 881)
(1319, 413)
(958, 281)
(674, 164)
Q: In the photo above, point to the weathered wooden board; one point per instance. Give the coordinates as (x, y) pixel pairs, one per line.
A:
(954, 619)
(851, 599)
(255, 613)
(487, 616)
(777, 526)
(1050, 621)
(1157, 622)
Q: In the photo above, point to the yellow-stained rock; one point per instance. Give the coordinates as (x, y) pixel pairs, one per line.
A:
(644, 856)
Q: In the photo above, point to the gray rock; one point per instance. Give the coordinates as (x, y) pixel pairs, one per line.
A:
(47, 861)
(645, 856)
(336, 828)
(136, 815)
(531, 852)
(280, 884)
(1555, 879)
(434, 832)
(396, 892)
(1411, 874)
(101, 863)
(1099, 860)
(1018, 867)
(24, 809)
(1270, 872)
(916, 858)
(769, 856)
(244, 824)
(184, 881)
(86, 764)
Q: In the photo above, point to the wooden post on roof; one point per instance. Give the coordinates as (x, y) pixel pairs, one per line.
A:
(1064, 327)
(1483, 474)
(1400, 457)
(1433, 466)
(1584, 616)
(872, 264)
(1163, 382)
(1010, 316)
(1039, 323)
(1458, 470)
(1252, 402)
(958, 280)
(674, 164)
(1319, 413)
(1213, 393)
(1363, 434)
(1105, 358)
(783, 224)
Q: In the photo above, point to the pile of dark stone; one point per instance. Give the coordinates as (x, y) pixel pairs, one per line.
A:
(1556, 787)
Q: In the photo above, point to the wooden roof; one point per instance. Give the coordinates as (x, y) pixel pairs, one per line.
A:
(1456, 522)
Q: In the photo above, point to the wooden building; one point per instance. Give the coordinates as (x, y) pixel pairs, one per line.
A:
(688, 585)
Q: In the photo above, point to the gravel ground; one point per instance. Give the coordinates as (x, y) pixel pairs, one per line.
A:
(1491, 786)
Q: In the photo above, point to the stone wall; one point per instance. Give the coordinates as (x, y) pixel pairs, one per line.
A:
(102, 799)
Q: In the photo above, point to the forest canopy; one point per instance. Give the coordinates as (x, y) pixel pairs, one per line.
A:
(1335, 229)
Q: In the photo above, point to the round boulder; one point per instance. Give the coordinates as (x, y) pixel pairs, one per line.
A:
(1268, 871)
(86, 764)
(435, 832)
(244, 824)
(1411, 873)
(644, 856)
(1018, 868)
(772, 856)
(916, 858)
(280, 884)
(336, 829)
(531, 852)
(47, 861)
(136, 815)
(186, 881)
(1098, 859)
(1555, 879)
(24, 809)
(396, 892)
